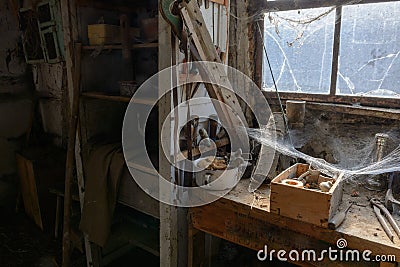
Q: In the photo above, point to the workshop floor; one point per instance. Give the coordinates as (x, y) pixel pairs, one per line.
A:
(22, 243)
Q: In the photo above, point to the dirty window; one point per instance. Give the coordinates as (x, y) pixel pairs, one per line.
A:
(369, 63)
(300, 48)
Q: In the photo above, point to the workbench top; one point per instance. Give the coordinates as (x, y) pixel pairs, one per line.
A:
(244, 218)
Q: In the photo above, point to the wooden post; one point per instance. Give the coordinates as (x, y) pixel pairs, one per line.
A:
(168, 214)
(71, 158)
(72, 60)
(336, 49)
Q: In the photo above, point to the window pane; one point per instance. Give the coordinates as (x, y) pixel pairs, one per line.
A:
(299, 45)
(369, 50)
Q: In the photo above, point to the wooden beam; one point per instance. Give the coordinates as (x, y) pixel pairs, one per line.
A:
(253, 228)
(339, 99)
(252, 232)
(383, 113)
(284, 5)
(336, 49)
(69, 29)
(168, 213)
(205, 51)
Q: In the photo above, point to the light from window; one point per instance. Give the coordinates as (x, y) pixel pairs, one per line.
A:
(299, 45)
(369, 62)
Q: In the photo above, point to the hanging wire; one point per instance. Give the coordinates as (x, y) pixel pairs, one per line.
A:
(276, 87)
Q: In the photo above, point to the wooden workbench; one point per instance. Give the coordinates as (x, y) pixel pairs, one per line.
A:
(244, 218)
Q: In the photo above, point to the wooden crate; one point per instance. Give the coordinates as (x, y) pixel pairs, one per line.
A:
(308, 205)
(108, 34)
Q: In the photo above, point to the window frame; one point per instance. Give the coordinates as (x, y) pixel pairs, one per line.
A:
(332, 97)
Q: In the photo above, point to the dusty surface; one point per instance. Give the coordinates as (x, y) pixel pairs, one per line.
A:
(24, 244)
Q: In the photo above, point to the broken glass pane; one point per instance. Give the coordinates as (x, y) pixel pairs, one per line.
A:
(299, 44)
(369, 50)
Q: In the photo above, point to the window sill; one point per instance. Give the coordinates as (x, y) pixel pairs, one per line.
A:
(387, 108)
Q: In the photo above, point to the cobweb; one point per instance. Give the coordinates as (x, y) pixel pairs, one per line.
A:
(333, 149)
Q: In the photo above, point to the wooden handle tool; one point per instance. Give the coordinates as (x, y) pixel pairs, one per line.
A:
(338, 219)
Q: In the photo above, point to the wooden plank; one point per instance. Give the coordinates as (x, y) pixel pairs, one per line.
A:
(131, 195)
(255, 233)
(168, 214)
(130, 234)
(284, 5)
(336, 49)
(251, 232)
(206, 51)
(69, 23)
(28, 189)
(121, 7)
(337, 99)
(388, 264)
(107, 259)
(359, 228)
(142, 168)
(81, 179)
(126, 99)
(69, 169)
(119, 47)
(356, 110)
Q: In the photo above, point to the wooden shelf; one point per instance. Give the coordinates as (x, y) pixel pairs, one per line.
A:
(116, 47)
(142, 168)
(118, 98)
(132, 233)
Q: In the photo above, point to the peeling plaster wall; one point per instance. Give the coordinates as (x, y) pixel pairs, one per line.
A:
(50, 85)
(15, 101)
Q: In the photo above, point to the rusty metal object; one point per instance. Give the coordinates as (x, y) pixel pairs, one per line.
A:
(390, 202)
(379, 208)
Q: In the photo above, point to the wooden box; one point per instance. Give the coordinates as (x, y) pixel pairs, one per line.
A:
(108, 34)
(308, 205)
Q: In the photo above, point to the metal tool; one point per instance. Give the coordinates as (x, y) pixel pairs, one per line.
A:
(379, 208)
(390, 202)
(339, 217)
(170, 11)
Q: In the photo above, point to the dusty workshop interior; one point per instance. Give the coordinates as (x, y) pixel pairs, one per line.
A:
(199, 133)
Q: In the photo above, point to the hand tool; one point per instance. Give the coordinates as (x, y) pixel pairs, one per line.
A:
(339, 217)
(390, 202)
(379, 208)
